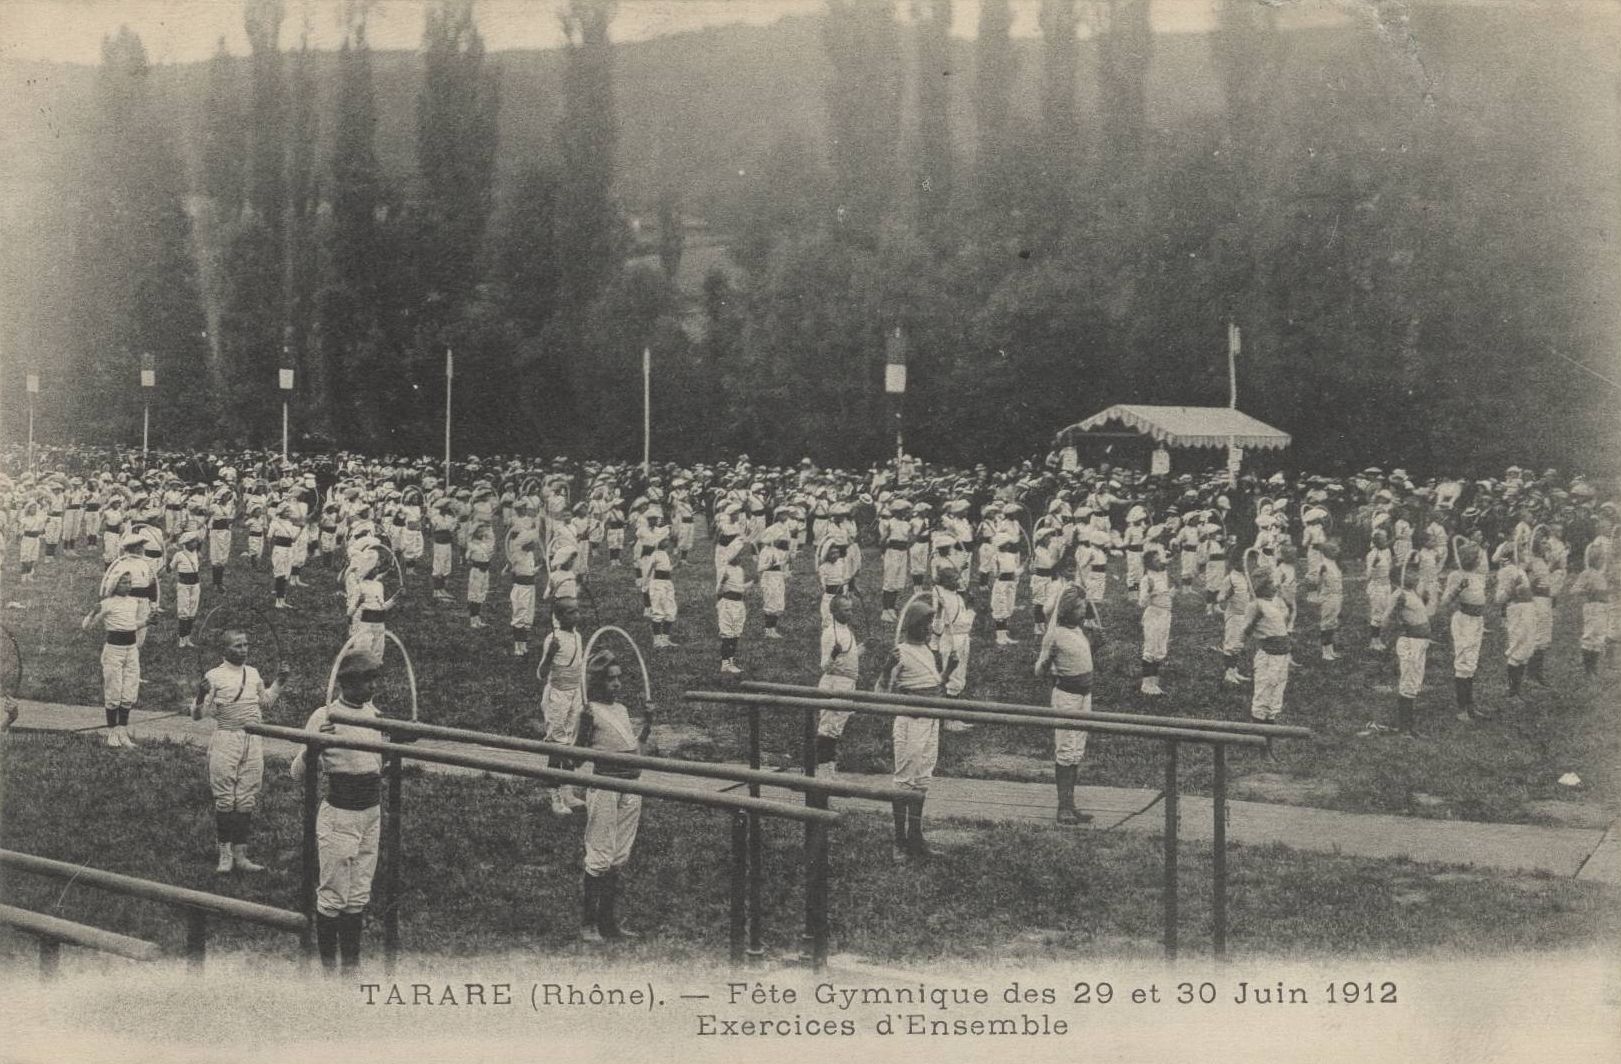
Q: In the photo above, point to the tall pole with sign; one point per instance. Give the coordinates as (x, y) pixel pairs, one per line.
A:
(33, 390)
(450, 373)
(286, 392)
(895, 381)
(149, 380)
(647, 410)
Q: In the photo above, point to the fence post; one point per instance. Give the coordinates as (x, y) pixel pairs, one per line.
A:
(393, 768)
(50, 955)
(816, 876)
(807, 942)
(1219, 858)
(740, 865)
(809, 740)
(311, 854)
(756, 846)
(1169, 897)
(196, 939)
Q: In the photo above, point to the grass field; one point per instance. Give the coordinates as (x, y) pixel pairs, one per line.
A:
(1505, 771)
(488, 869)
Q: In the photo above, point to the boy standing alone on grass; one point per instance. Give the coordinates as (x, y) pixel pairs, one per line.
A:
(123, 614)
(611, 817)
(235, 695)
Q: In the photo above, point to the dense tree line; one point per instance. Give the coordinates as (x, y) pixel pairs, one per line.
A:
(1064, 247)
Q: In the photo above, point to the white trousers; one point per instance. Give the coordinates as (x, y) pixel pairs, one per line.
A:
(611, 820)
(917, 750)
(1521, 632)
(1466, 637)
(120, 675)
(1156, 633)
(830, 722)
(236, 770)
(1595, 625)
(1410, 658)
(1069, 744)
(347, 842)
(1271, 677)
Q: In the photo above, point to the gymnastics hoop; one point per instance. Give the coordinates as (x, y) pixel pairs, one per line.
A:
(202, 632)
(647, 682)
(410, 670)
(1250, 564)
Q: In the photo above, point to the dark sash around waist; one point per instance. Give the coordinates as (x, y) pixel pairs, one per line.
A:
(120, 639)
(660, 574)
(482, 567)
(1275, 644)
(1469, 609)
(732, 596)
(832, 589)
(443, 536)
(523, 580)
(221, 525)
(373, 616)
(185, 578)
(896, 544)
(1041, 572)
(1007, 576)
(353, 790)
(1074, 685)
(281, 541)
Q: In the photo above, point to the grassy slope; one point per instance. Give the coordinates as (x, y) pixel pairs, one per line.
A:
(488, 869)
(469, 678)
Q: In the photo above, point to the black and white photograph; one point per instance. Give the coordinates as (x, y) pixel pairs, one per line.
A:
(769, 530)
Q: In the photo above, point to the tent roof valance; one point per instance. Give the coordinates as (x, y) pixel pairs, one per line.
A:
(1189, 426)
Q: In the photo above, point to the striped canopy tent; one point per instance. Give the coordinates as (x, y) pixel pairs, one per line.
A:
(1183, 426)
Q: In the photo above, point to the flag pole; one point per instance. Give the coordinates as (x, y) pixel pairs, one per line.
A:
(647, 409)
(1233, 341)
(449, 378)
(1232, 365)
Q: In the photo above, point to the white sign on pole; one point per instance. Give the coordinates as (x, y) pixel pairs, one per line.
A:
(33, 384)
(895, 378)
(149, 378)
(1160, 462)
(286, 380)
(1235, 459)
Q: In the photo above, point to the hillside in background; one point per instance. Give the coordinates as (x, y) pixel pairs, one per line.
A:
(702, 110)
(1526, 102)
